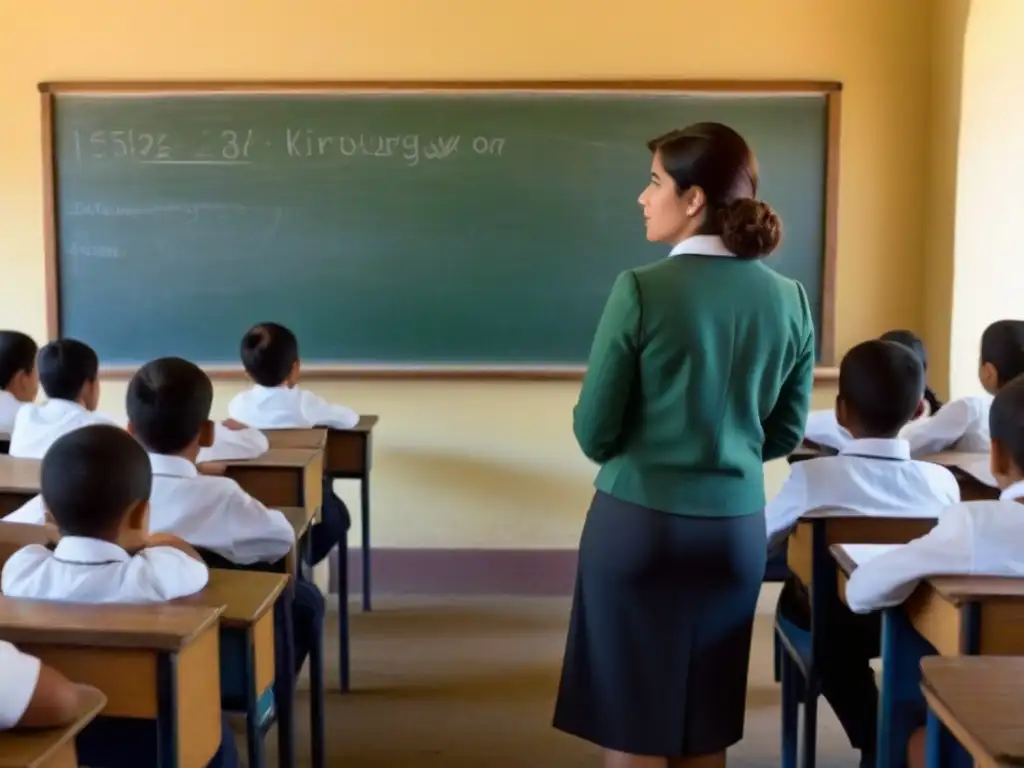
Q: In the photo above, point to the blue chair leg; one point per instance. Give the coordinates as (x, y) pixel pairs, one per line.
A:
(777, 653)
(316, 696)
(791, 690)
(810, 727)
(343, 627)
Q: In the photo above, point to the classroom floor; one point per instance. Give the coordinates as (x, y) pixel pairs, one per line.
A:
(465, 682)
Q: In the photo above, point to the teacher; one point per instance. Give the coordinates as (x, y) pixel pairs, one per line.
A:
(700, 371)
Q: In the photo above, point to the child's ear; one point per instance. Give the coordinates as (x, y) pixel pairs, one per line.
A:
(922, 406)
(293, 374)
(841, 414)
(989, 377)
(206, 432)
(138, 516)
(1000, 463)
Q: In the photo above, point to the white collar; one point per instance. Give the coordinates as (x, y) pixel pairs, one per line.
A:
(878, 447)
(81, 550)
(64, 406)
(1013, 492)
(702, 245)
(175, 466)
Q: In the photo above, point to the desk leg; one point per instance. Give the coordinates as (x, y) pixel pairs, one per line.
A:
(933, 742)
(900, 697)
(364, 510)
(167, 711)
(343, 628)
(284, 679)
(316, 697)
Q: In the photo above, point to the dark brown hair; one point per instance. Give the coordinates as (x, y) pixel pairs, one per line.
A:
(715, 158)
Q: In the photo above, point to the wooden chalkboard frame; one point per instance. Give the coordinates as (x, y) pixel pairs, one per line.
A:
(832, 91)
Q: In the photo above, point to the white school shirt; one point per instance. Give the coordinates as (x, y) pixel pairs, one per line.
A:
(214, 513)
(961, 425)
(870, 477)
(83, 570)
(38, 426)
(823, 428)
(288, 408)
(9, 407)
(234, 444)
(19, 674)
(972, 538)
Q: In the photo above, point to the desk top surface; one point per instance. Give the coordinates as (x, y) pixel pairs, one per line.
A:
(985, 694)
(246, 596)
(300, 518)
(19, 475)
(151, 627)
(31, 748)
(276, 458)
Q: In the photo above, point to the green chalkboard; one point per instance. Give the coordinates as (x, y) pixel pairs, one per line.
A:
(387, 229)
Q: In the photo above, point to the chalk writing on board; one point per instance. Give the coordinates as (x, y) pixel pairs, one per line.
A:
(93, 251)
(191, 211)
(242, 146)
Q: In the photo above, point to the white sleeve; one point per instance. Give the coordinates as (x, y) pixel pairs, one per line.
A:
(783, 512)
(32, 512)
(823, 428)
(937, 433)
(160, 574)
(234, 445)
(889, 579)
(18, 680)
(251, 532)
(323, 414)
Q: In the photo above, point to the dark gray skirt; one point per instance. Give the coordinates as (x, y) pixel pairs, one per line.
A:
(659, 639)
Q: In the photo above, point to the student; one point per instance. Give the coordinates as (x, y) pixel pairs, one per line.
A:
(69, 373)
(962, 425)
(975, 538)
(880, 386)
(168, 406)
(19, 383)
(270, 354)
(822, 427)
(96, 483)
(33, 695)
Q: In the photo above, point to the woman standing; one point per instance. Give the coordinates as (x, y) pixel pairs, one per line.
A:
(701, 370)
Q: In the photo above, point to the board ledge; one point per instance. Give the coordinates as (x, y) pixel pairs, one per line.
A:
(324, 371)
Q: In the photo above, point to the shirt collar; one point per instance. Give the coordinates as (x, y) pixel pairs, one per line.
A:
(58, 405)
(86, 551)
(175, 466)
(1013, 492)
(880, 447)
(702, 245)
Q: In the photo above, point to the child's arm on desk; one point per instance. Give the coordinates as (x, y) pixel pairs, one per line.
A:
(233, 441)
(937, 433)
(890, 578)
(33, 695)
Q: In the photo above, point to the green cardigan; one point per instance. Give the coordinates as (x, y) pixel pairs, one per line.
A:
(701, 370)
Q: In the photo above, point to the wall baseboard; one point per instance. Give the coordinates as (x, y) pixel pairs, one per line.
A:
(526, 572)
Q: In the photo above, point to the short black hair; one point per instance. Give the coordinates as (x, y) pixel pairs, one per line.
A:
(269, 351)
(167, 402)
(17, 353)
(1002, 345)
(881, 382)
(65, 367)
(91, 476)
(913, 342)
(1006, 419)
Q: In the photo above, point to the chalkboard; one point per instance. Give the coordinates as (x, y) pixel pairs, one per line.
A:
(403, 228)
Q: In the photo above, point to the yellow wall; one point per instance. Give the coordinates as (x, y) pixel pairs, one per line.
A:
(494, 465)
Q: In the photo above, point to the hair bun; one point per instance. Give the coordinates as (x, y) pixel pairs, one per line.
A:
(750, 228)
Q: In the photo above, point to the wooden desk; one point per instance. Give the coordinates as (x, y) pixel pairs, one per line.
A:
(19, 482)
(53, 747)
(282, 477)
(971, 471)
(314, 438)
(247, 653)
(979, 700)
(151, 662)
(14, 536)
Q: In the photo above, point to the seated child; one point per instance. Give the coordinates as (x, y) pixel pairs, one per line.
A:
(880, 387)
(69, 373)
(33, 695)
(976, 538)
(96, 483)
(270, 354)
(962, 424)
(19, 383)
(822, 427)
(168, 405)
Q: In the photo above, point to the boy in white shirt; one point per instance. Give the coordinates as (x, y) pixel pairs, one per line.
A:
(962, 425)
(975, 538)
(270, 354)
(33, 695)
(19, 383)
(881, 384)
(168, 404)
